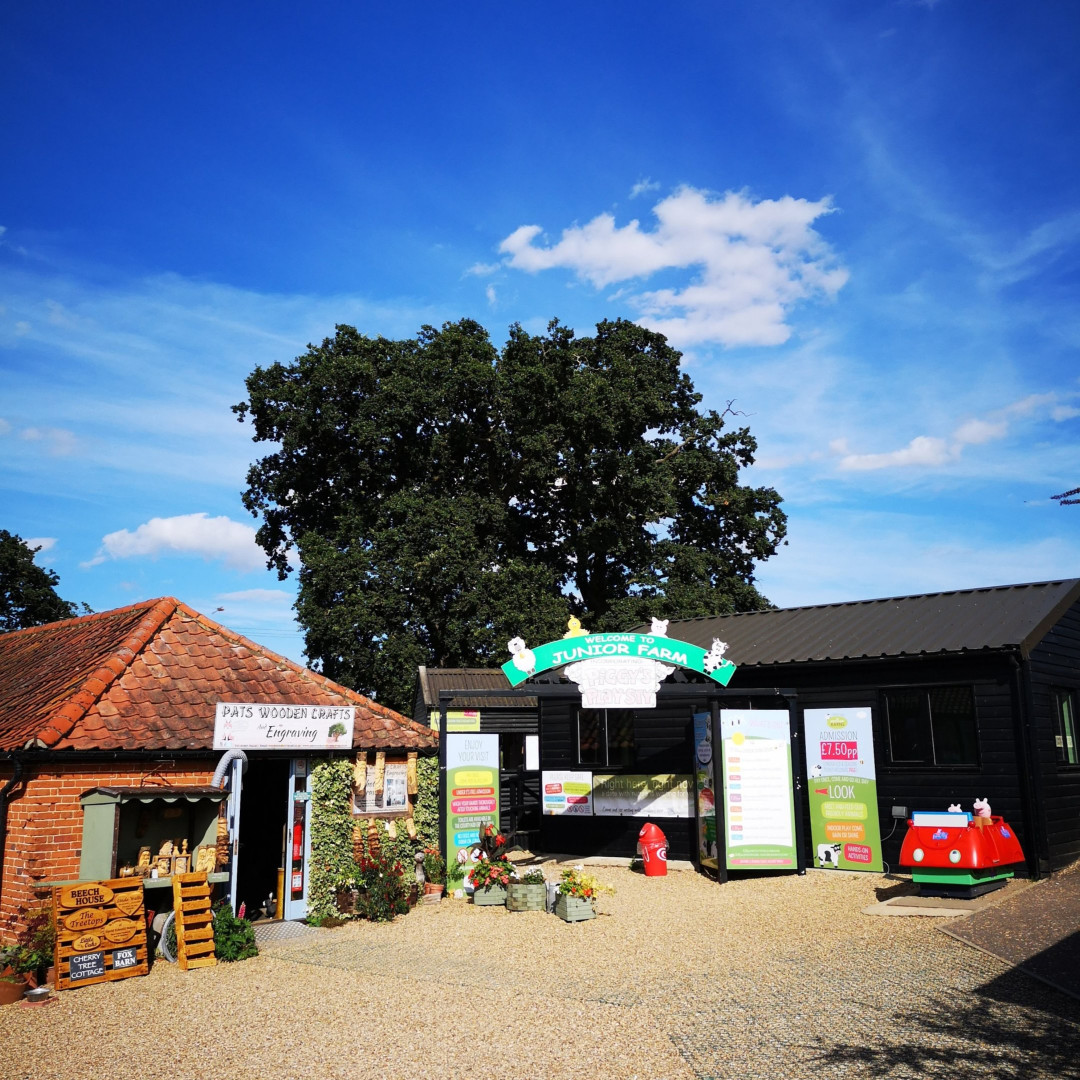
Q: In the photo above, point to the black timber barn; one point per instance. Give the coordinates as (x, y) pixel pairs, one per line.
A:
(974, 695)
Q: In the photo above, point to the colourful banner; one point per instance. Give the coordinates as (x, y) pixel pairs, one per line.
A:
(842, 782)
(759, 806)
(666, 650)
(705, 789)
(472, 790)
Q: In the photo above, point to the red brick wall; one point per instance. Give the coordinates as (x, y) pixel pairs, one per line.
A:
(44, 823)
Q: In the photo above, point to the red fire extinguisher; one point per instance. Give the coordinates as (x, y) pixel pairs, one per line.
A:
(298, 840)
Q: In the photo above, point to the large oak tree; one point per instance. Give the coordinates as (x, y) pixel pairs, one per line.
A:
(440, 496)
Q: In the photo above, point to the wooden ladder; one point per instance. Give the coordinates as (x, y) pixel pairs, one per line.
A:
(194, 925)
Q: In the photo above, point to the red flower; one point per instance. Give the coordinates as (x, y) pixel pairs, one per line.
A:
(500, 839)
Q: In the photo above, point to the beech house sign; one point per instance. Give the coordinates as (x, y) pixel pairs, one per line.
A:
(617, 671)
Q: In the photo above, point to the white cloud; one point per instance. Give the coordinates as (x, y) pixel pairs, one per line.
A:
(754, 261)
(933, 452)
(186, 534)
(59, 442)
(5, 427)
(491, 295)
(40, 543)
(643, 187)
(22, 328)
(483, 269)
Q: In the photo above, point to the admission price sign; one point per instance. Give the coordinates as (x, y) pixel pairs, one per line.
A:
(843, 788)
(758, 791)
(472, 789)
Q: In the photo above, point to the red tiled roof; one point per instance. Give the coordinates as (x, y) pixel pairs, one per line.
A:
(148, 676)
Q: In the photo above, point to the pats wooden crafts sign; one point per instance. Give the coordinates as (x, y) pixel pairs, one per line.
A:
(100, 932)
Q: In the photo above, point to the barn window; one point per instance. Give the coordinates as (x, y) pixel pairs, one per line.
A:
(1065, 737)
(605, 737)
(932, 726)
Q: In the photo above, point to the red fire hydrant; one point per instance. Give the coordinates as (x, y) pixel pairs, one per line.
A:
(652, 844)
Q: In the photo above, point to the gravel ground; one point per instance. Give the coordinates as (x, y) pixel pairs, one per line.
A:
(678, 978)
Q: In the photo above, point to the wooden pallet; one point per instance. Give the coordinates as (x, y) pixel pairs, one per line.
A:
(194, 925)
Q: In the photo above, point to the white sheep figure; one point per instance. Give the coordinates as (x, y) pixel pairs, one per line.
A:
(715, 657)
(659, 627)
(524, 659)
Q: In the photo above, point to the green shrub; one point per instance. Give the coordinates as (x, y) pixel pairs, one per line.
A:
(234, 938)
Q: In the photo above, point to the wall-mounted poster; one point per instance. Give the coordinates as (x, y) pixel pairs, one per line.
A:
(759, 806)
(843, 789)
(566, 792)
(705, 790)
(667, 795)
(472, 789)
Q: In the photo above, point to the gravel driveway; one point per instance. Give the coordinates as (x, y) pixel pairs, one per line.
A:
(678, 977)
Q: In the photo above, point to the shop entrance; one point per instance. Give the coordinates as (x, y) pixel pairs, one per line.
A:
(264, 804)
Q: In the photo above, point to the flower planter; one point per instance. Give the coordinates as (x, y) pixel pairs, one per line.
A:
(574, 909)
(490, 896)
(432, 893)
(522, 897)
(12, 988)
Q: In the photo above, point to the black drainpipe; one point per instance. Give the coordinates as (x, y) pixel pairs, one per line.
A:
(4, 793)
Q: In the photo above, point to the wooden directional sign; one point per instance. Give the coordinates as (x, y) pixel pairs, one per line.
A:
(100, 932)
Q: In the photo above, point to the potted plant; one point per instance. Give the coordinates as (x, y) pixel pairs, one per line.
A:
(12, 986)
(528, 892)
(434, 873)
(32, 955)
(491, 874)
(578, 894)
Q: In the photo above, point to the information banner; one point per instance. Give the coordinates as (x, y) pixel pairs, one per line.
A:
(705, 788)
(472, 790)
(759, 805)
(666, 795)
(567, 792)
(843, 789)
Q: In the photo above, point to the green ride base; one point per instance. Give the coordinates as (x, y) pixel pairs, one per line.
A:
(959, 884)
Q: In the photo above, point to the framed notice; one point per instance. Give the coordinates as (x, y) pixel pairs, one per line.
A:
(842, 784)
(759, 802)
(100, 932)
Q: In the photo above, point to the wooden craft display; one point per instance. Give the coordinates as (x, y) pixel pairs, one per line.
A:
(194, 921)
(100, 932)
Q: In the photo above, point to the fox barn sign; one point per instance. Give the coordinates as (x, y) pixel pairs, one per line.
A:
(617, 670)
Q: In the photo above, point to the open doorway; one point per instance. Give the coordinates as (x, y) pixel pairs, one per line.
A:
(263, 805)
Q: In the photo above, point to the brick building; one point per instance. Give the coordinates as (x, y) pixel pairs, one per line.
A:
(110, 718)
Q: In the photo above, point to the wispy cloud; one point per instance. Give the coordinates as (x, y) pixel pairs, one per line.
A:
(219, 538)
(644, 187)
(40, 543)
(753, 260)
(58, 442)
(929, 451)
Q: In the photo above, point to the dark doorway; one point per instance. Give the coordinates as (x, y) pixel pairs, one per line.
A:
(262, 831)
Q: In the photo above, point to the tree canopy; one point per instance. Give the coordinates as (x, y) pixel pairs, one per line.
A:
(28, 595)
(442, 496)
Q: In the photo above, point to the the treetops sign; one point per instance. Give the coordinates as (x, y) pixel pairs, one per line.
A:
(581, 647)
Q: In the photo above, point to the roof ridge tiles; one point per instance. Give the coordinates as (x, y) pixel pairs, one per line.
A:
(63, 720)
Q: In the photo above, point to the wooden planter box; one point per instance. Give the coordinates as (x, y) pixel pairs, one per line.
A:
(492, 896)
(522, 897)
(574, 909)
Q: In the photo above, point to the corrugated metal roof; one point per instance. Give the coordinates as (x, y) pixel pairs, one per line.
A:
(432, 680)
(1002, 617)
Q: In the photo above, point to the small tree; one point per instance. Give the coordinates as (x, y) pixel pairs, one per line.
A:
(28, 595)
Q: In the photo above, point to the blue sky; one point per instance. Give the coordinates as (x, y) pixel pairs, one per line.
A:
(860, 221)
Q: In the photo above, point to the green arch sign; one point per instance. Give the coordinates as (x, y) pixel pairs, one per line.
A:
(569, 650)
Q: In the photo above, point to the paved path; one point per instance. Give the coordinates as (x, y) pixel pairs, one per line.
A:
(1037, 931)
